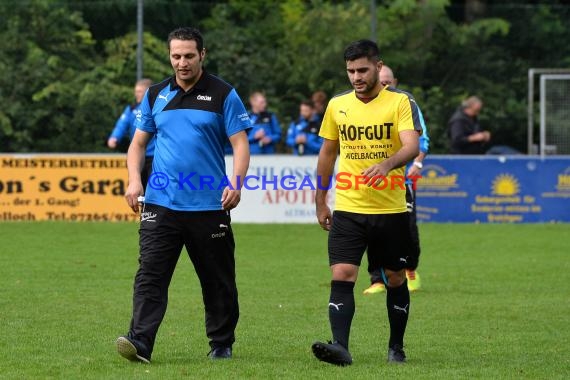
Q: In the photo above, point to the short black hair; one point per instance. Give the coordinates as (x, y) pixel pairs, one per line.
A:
(187, 33)
(308, 102)
(362, 48)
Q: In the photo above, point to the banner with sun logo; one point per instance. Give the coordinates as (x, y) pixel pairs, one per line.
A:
(496, 189)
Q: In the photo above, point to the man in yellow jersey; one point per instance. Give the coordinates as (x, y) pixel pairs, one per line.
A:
(376, 130)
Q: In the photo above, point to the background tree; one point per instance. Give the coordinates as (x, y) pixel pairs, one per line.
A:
(69, 66)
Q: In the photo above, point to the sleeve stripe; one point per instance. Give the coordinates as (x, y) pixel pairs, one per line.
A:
(415, 116)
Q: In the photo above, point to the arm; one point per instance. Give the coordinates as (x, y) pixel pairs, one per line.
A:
(314, 142)
(232, 195)
(459, 134)
(275, 129)
(121, 128)
(409, 150)
(409, 128)
(325, 168)
(135, 163)
(291, 135)
(424, 138)
(414, 170)
(251, 134)
(483, 136)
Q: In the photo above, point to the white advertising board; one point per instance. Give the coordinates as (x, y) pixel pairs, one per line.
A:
(278, 189)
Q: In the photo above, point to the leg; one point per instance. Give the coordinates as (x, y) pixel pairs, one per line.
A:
(160, 246)
(390, 242)
(398, 307)
(210, 245)
(347, 242)
(341, 301)
(376, 282)
(415, 251)
(413, 261)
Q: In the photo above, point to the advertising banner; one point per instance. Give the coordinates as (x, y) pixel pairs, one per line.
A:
(64, 187)
(496, 189)
(281, 189)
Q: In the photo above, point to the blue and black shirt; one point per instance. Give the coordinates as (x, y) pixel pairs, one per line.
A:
(191, 128)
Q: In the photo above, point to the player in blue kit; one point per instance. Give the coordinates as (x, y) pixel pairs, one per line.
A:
(303, 133)
(125, 127)
(192, 114)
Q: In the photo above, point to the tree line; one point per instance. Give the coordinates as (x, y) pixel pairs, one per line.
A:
(68, 67)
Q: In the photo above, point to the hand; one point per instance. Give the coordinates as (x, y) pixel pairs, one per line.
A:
(230, 198)
(134, 190)
(259, 134)
(481, 136)
(375, 174)
(414, 171)
(301, 139)
(324, 216)
(266, 140)
(112, 142)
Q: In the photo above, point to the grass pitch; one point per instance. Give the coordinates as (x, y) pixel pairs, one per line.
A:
(495, 303)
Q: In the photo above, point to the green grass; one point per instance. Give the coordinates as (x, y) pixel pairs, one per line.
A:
(495, 303)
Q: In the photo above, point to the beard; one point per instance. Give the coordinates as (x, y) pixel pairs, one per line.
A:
(365, 88)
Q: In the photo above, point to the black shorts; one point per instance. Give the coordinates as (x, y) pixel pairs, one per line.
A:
(386, 237)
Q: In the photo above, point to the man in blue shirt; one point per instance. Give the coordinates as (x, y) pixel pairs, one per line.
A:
(188, 198)
(413, 170)
(266, 131)
(303, 134)
(125, 127)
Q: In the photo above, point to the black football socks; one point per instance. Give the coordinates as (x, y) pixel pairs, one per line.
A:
(341, 310)
(398, 305)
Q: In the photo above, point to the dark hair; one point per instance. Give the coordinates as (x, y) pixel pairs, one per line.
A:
(187, 34)
(319, 97)
(308, 102)
(362, 48)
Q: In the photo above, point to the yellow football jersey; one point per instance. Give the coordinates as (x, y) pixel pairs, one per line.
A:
(368, 133)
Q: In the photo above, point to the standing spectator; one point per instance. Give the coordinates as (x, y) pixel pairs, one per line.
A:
(266, 131)
(413, 169)
(376, 129)
(320, 100)
(193, 114)
(303, 133)
(464, 132)
(125, 127)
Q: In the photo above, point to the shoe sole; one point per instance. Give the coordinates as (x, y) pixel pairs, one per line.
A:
(128, 350)
(323, 354)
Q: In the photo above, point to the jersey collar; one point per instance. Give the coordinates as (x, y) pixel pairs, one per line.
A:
(200, 85)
